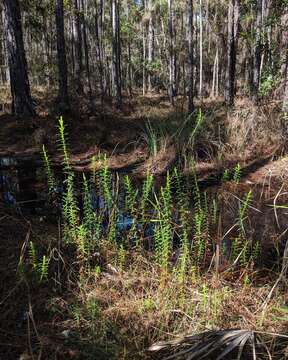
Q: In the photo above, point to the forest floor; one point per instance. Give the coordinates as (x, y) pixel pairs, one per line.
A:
(118, 312)
(148, 134)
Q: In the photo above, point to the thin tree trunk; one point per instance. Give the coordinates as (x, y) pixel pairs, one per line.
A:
(72, 43)
(2, 49)
(285, 59)
(116, 53)
(172, 56)
(99, 47)
(190, 71)
(217, 73)
(233, 26)
(130, 85)
(196, 52)
(20, 89)
(144, 75)
(214, 89)
(200, 49)
(284, 43)
(150, 45)
(78, 47)
(86, 49)
(285, 97)
(256, 59)
(61, 54)
(129, 67)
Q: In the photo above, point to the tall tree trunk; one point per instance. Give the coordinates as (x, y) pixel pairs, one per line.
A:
(20, 89)
(129, 67)
(233, 29)
(172, 55)
(150, 45)
(200, 49)
(284, 67)
(61, 54)
(285, 97)
(284, 42)
(99, 46)
(129, 70)
(190, 56)
(256, 56)
(78, 46)
(116, 53)
(86, 49)
(144, 72)
(215, 74)
(2, 50)
(72, 45)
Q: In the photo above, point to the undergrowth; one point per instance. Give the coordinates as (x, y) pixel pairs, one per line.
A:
(154, 260)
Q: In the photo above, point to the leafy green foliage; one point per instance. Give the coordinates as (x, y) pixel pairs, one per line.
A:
(268, 83)
(105, 183)
(49, 171)
(164, 231)
(146, 191)
(237, 173)
(40, 266)
(63, 144)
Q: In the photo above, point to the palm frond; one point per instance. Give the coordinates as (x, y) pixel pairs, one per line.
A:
(216, 345)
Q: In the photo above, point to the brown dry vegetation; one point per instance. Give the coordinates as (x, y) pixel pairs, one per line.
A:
(121, 307)
(225, 138)
(129, 304)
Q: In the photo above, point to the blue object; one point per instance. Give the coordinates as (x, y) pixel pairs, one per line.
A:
(9, 198)
(124, 222)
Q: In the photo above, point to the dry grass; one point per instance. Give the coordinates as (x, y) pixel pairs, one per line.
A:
(252, 129)
(143, 306)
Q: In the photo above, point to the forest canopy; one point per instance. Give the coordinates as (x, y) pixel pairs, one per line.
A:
(110, 48)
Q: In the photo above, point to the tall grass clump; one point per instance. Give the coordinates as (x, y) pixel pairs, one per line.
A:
(151, 137)
(240, 245)
(197, 128)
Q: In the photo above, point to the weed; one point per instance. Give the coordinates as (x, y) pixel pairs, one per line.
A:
(237, 173)
(43, 269)
(70, 210)
(49, 171)
(163, 234)
(197, 128)
(148, 305)
(243, 210)
(226, 175)
(121, 257)
(63, 144)
(146, 191)
(39, 266)
(105, 181)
